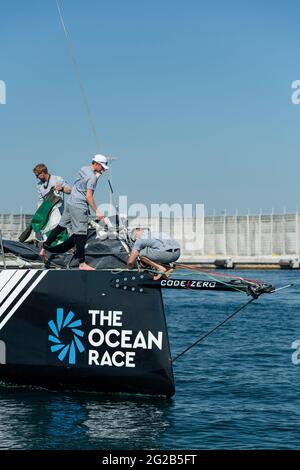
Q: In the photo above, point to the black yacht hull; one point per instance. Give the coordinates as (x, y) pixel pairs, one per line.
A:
(82, 330)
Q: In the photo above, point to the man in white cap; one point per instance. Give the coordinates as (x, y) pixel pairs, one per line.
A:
(75, 216)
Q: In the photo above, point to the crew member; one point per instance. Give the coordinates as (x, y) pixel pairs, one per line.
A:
(156, 247)
(75, 216)
(48, 182)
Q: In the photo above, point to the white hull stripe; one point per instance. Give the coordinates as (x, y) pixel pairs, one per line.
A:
(5, 277)
(11, 283)
(23, 298)
(21, 283)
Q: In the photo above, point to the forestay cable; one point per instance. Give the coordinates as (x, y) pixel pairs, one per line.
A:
(78, 75)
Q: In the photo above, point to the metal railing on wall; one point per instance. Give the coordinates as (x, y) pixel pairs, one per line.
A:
(228, 235)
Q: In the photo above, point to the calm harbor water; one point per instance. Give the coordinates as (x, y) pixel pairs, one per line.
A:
(237, 390)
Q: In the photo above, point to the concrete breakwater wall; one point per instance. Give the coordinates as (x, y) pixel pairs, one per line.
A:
(224, 241)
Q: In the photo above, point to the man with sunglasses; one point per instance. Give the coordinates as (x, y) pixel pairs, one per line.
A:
(47, 182)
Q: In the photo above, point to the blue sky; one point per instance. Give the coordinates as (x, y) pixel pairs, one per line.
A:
(192, 97)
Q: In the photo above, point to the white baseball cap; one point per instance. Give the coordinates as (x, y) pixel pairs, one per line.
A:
(98, 158)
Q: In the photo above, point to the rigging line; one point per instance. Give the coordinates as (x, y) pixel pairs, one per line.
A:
(212, 275)
(232, 286)
(218, 279)
(112, 193)
(78, 75)
(218, 274)
(203, 270)
(213, 330)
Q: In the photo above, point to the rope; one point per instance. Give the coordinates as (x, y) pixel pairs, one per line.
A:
(217, 277)
(213, 330)
(78, 75)
(206, 271)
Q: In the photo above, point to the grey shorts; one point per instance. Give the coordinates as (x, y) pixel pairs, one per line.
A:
(75, 220)
(161, 257)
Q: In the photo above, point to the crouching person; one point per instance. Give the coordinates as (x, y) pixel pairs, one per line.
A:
(155, 250)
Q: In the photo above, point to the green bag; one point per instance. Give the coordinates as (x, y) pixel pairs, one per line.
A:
(40, 218)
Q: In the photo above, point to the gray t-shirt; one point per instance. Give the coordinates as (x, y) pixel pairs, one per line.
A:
(86, 179)
(157, 241)
(43, 188)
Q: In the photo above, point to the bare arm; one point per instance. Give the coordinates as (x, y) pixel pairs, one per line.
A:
(131, 260)
(65, 189)
(91, 202)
